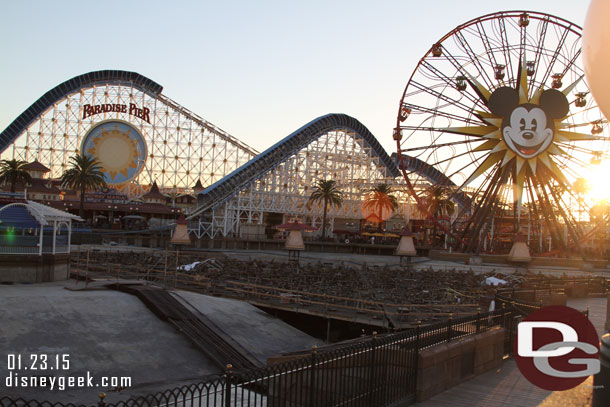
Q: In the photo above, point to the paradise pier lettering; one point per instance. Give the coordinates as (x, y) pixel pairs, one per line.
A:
(142, 113)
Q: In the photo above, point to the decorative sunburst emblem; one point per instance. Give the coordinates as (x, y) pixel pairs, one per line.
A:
(522, 132)
(118, 147)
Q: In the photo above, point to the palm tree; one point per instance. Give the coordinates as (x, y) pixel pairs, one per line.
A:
(12, 172)
(438, 203)
(326, 191)
(86, 173)
(380, 199)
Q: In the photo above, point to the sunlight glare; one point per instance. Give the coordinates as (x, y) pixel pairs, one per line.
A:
(598, 180)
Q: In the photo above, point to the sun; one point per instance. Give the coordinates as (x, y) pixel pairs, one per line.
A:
(524, 134)
(597, 179)
(116, 151)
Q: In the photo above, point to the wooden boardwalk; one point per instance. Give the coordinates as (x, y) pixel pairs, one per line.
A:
(507, 387)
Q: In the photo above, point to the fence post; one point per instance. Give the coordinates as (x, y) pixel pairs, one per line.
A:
(87, 270)
(516, 319)
(372, 373)
(417, 346)
(102, 396)
(479, 320)
(176, 269)
(165, 271)
(450, 327)
(312, 375)
(228, 382)
(504, 315)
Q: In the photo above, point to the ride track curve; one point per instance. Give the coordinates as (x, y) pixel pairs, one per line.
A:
(221, 191)
(103, 77)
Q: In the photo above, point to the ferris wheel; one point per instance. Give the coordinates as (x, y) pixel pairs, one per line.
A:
(497, 119)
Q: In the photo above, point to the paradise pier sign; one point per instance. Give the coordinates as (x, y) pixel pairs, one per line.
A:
(142, 113)
(139, 135)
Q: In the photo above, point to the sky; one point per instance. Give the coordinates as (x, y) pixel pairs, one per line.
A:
(257, 69)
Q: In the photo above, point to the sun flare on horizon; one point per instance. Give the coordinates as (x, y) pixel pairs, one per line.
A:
(597, 179)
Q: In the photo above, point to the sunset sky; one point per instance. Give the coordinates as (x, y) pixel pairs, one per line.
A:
(257, 69)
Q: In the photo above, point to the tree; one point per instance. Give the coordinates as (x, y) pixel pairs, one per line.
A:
(12, 172)
(438, 203)
(327, 192)
(380, 199)
(86, 173)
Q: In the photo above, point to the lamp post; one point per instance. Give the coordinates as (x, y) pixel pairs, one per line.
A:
(294, 243)
(111, 208)
(406, 248)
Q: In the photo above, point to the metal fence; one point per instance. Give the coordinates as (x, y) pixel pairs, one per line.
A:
(19, 245)
(379, 370)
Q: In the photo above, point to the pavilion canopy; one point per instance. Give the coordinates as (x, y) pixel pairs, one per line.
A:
(33, 220)
(45, 215)
(17, 217)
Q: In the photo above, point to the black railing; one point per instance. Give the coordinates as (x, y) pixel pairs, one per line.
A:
(374, 371)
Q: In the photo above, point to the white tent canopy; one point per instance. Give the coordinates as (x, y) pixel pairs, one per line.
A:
(47, 216)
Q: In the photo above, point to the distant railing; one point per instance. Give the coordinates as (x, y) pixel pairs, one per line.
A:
(17, 250)
(541, 290)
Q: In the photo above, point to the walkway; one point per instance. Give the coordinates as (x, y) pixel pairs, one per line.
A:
(200, 330)
(507, 387)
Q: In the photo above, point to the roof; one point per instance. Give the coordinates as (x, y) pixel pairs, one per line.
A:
(33, 214)
(154, 193)
(35, 166)
(17, 216)
(40, 185)
(198, 185)
(50, 214)
(133, 207)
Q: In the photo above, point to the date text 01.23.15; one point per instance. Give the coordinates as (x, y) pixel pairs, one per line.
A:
(38, 361)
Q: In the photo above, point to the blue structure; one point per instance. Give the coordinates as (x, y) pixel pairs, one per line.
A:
(24, 225)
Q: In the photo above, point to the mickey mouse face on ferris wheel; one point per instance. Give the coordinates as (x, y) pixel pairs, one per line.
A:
(528, 128)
